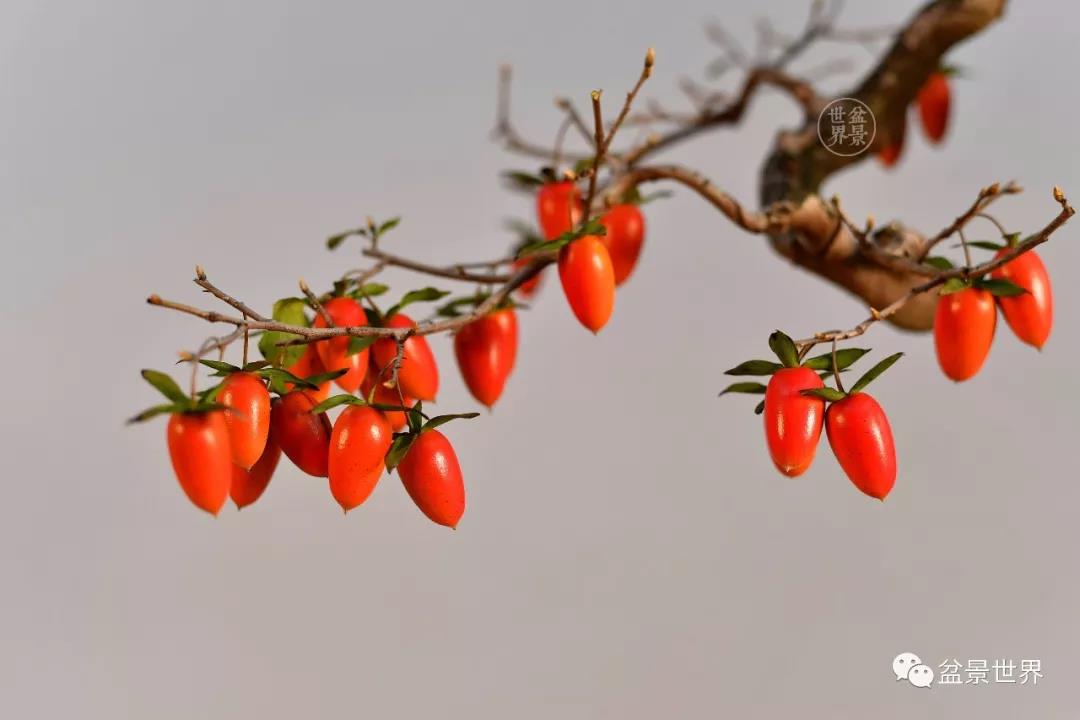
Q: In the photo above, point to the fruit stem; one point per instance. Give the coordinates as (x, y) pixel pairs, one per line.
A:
(967, 250)
(836, 369)
(244, 361)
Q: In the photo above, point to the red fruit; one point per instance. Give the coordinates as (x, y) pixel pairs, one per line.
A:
(963, 330)
(1030, 316)
(889, 154)
(432, 477)
(528, 288)
(588, 281)
(303, 436)
(625, 234)
(246, 397)
(387, 396)
(248, 485)
(418, 373)
(358, 444)
(792, 420)
(307, 366)
(334, 353)
(558, 207)
(486, 350)
(199, 450)
(862, 441)
(933, 100)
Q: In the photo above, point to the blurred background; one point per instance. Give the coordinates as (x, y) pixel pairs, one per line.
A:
(628, 550)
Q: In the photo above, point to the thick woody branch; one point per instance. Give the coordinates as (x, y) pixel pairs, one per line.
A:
(941, 277)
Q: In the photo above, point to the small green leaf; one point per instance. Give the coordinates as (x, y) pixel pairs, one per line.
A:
(954, 285)
(255, 365)
(332, 402)
(593, 227)
(825, 393)
(372, 289)
(361, 343)
(754, 367)
(415, 417)
(750, 388)
(1012, 239)
(874, 372)
(986, 245)
(398, 449)
(387, 226)
(443, 419)
(845, 358)
(785, 349)
(166, 386)
(334, 240)
(1000, 287)
(427, 294)
(584, 164)
(759, 408)
(290, 311)
(522, 180)
(222, 368)
(154, 412)
(326, 376)
(941, 263)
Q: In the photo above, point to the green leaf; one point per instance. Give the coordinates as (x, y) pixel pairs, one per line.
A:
(759, 408)
(279, 376)
(166, 386)
(222, 368)
(453, 308)
(372, 289)
(255, 365)
(387, 226)
(1012, 239)
(326, 376)
(754, 367)
(750, 388)
(443, 419)
(334, 240)
(398, 449)
(941, 263)
(522, 180)
(954, 285)
(427, 294)
(785, 349)
(874, 372)
(210, 395)
(1000, 287)
(986, 245)
(332, 402)
(825, 393)
(290, 311)
(154, 412)
(593, 227)
(845, 358)
(634, 196)
(361, 343)
(415, 417)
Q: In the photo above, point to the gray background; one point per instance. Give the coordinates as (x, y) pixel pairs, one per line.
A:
(628, 550)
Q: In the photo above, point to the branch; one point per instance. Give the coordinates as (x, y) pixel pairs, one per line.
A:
(729, 206)
(453, 272)
(941, 277)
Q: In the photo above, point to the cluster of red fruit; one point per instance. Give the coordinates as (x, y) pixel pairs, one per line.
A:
(933, 101)
(593, 265)
(228, 440)
(795, 411)
(966, 316)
